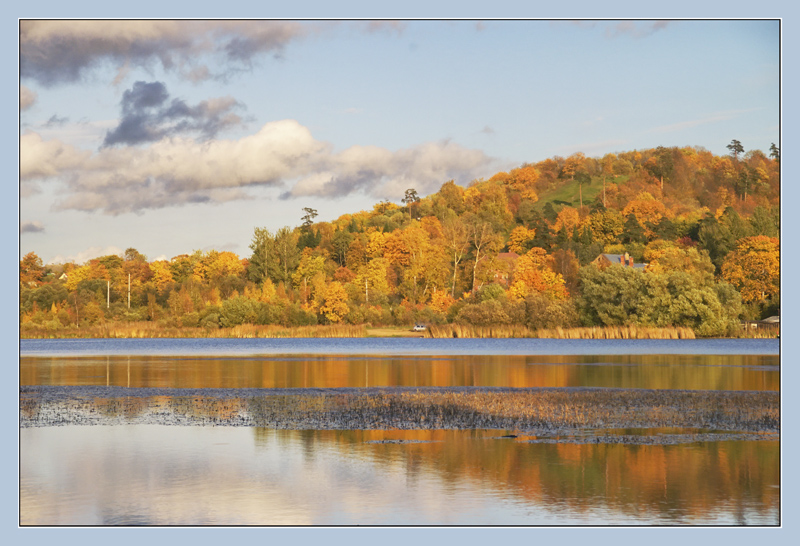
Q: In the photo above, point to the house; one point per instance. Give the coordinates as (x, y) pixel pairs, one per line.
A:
(773, 322)
(625, 260)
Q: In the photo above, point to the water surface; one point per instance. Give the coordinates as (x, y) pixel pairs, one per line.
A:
(388, 346)
(157, 475)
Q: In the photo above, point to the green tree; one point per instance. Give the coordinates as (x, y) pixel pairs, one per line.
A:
(308, 217)
(287, 252)
(775, 152)
(263, 260)
(736, 148)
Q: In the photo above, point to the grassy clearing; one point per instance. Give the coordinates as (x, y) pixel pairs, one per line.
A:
(570, 191)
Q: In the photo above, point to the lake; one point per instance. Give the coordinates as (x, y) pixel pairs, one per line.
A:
(143, 474)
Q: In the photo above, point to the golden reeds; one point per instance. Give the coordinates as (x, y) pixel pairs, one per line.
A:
(155, 330)
(595, 332)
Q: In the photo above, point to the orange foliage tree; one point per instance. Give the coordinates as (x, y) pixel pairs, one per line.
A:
(533, 274)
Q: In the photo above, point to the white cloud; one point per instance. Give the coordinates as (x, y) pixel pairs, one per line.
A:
(176, 171)
(46, 158)
(26, 97)
(712, 118)
(88, 254)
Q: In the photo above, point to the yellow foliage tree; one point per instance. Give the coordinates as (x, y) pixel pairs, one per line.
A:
(162, 275)
(568, 217)
(754, 268)
(335, 306)
(518, 238)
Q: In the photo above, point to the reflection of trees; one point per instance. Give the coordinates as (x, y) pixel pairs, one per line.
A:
(678, 484)
(695, 372)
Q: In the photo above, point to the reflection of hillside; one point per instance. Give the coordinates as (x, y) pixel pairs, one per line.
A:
(233, 475)
(683, 484)
(694, 372)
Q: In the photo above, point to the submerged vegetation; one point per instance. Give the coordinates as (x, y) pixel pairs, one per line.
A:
(443, 408)
(664, 242)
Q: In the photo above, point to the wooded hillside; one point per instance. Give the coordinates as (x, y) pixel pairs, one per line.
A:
(514, 249)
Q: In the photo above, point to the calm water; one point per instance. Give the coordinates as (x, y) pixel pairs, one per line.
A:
(148, 474)
(225, 475)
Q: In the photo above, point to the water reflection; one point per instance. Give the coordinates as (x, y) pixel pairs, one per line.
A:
(714, 372)
(146, 474)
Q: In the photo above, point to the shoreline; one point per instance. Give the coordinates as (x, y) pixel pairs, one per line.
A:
(578, 414)
(149, 330)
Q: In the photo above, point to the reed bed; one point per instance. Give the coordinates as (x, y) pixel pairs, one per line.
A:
(155, 330)
(617, 332)
(515, 331)
(764, 331)
(476, 408)
(468, 331)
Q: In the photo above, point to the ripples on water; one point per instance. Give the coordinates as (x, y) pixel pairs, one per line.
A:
(395, 346)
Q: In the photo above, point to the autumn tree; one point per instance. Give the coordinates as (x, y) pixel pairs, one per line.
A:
(335, 306)
(31, 270)
(533, 273)
(520, 239)
(523, 179)
(456, 237)
(483, 240)
(754, 268)
(310, 264)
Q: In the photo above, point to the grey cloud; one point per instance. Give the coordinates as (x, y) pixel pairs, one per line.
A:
(31, 227)
(487, 130)
(147, 116)
(56, 52)
(384, 174)
(56, 121)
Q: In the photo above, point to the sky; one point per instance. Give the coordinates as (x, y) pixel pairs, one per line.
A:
(174, 136)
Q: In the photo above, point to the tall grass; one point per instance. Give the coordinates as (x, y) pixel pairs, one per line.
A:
(516, 331)
(155, 330)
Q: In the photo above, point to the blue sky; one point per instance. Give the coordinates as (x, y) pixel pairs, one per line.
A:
(175, 136)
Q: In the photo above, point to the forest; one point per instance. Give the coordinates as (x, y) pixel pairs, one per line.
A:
(663, 237)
